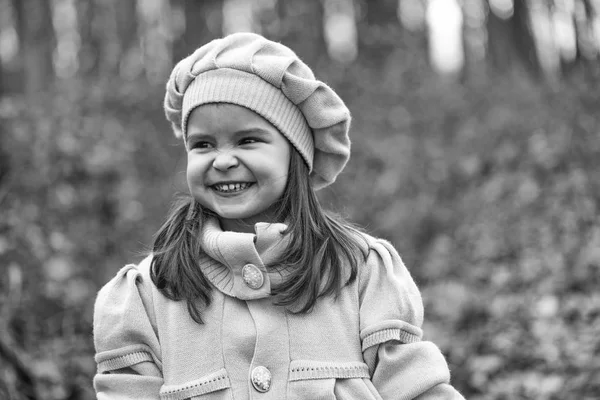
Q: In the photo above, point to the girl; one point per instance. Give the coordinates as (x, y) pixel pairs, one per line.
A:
(252, 291)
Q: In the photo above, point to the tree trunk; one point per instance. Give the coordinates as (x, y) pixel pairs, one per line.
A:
(36, 42)
(127, 23)
(379, 30)
(2, 79)
(523, 36)
(501, 49)
(588, 50)
(302, 31)
(127, 30)
(380, 12)
(510, 41)
(91, 43)
(203, 22)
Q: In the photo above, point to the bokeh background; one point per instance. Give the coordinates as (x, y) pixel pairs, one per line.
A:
(476, 151)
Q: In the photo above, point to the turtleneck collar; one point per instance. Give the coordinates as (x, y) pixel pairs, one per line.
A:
(235, 262)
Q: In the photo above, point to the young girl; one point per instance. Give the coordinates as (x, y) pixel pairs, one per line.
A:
(252, 290)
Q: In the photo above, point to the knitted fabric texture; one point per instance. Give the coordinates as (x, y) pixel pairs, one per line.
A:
(365, 344)
(268, 78)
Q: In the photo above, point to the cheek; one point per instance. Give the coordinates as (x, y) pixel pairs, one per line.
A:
(194, 177)
(190, 174)
(195, 167)
(281, 183)
(280, 164)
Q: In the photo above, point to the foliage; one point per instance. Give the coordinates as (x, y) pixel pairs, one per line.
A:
(489, 190)
(80, 188)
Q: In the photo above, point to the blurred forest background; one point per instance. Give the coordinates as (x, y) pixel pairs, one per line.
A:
(476, 151)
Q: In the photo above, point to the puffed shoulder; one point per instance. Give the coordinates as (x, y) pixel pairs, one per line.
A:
(124, 320)
(391, 307)
(391, 316)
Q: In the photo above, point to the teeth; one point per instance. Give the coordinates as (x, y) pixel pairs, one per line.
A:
(231, 187)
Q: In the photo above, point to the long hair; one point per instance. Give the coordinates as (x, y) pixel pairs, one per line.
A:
(325, 250)
(322, 257)
(175, 250)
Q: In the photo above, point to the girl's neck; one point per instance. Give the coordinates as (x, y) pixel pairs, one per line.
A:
(236, 225)
(246, 225)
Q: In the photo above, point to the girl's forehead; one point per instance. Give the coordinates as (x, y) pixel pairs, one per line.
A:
(216, 117)
(219, 110)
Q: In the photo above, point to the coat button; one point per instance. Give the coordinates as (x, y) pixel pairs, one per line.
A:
(252, 276)
(261, 379)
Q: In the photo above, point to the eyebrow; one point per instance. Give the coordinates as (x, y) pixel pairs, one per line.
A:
(198, 135)
(242, 132)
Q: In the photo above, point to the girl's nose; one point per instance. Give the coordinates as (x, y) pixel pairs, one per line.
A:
(225, 161)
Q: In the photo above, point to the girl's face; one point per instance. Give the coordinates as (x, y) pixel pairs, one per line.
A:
(238, 164)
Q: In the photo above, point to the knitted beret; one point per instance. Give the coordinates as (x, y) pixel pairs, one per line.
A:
(270, 79)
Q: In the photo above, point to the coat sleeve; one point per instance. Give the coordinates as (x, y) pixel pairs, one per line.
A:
(402, 365)
(125, 338)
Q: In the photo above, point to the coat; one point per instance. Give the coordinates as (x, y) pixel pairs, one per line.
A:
(366, 343)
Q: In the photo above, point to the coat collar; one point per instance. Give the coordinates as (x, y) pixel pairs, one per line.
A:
(235, 262)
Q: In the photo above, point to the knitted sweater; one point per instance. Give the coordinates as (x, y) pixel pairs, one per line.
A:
(365, 344)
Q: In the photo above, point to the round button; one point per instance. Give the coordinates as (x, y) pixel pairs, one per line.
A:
(261, 379)
(252, 276)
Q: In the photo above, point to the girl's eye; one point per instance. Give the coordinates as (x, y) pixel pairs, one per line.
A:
(249, 140)
(200, 145)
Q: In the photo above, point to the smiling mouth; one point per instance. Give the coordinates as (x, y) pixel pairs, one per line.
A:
(231, 187)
